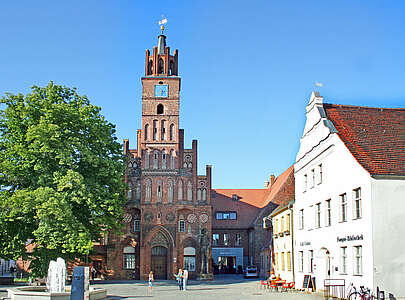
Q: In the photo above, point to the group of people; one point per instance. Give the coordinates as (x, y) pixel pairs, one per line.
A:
(181, 278)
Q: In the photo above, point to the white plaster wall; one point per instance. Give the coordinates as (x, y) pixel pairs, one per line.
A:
(388, 198)
(341, 174)
(284, 244)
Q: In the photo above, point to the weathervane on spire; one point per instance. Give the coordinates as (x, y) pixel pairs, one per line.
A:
(318, 85)
(161, 23)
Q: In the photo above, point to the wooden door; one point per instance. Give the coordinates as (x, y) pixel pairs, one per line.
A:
(159, 262)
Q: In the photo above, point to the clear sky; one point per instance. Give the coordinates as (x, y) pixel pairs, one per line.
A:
(247, 67)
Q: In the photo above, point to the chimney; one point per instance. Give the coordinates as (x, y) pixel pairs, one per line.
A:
(269, 183)
(272, 179)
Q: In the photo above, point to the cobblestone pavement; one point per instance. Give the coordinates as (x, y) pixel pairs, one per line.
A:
(227, 287)
(222, 288)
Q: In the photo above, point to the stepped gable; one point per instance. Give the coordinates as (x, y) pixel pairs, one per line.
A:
(374, 136)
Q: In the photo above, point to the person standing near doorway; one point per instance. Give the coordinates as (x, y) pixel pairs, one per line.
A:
(185, 277)
(150, 280)
(179, 278)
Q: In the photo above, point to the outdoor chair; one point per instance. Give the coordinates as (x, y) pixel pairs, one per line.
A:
(273, 286)
(263, 284)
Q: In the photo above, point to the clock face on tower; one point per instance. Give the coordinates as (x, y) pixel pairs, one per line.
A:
(161, 91)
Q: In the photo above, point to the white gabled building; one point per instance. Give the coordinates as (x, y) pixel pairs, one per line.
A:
(349, 207)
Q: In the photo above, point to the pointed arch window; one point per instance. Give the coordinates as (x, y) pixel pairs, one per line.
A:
(172, 159)
(189, 191)
(129, 194)
(155, 159)
(146, 132)
(164, 160)
(204, 194)
(155, 130)
(170, 191)
(171, 69)
(138, 190)
(161, 66)
(171, 132)
(148, 190)
(160, 109)
(159, 190)
(199, 195)
(180, 191)
(163, 130)
(147, 160)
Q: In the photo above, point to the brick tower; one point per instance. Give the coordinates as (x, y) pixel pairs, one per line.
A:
(169, 205)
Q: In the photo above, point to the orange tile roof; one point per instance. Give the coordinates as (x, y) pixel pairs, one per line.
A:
(280, 192)
(374, 136)
(252, 202)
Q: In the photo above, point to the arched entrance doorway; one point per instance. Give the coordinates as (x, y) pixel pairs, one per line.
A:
(159, 262)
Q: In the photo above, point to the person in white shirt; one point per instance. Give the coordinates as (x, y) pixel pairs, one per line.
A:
(185, 277)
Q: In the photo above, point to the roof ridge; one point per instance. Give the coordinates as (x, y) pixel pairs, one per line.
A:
(361, 106)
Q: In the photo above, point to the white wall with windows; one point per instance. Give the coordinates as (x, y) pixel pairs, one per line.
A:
(333, 234)
(350, 225)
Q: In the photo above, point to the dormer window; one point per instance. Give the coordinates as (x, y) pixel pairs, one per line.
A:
(235, 197)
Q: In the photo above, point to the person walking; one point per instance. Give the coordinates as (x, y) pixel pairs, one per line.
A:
(185, 277)
(150, 280)
(179, 278)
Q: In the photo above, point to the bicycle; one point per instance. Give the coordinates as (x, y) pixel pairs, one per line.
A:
(363, 294)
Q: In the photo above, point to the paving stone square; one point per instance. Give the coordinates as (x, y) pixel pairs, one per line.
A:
(227, 287)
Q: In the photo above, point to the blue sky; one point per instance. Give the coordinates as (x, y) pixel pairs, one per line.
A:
(247, 67)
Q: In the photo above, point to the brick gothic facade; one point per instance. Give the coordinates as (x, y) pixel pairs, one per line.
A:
(169, 205)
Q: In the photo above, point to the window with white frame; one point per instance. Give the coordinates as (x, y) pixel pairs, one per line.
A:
(320, 174)
(343, 208)
(318, 215)
(358, 260)
(276, 261)
(328, 213)
(282, 224)
(238, 239)
(301, 219)
(301, 261)
(305, 182)
(189, 259)
(129, 258)
(311, 261)
(137, 224)
(215, 239)
(226, 239)
(182, 225)
(312, 178)
(275, 225)
(282, 262)
(343, 260)
(357, 203)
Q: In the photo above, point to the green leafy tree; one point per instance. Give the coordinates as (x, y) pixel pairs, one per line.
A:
(61, 176)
